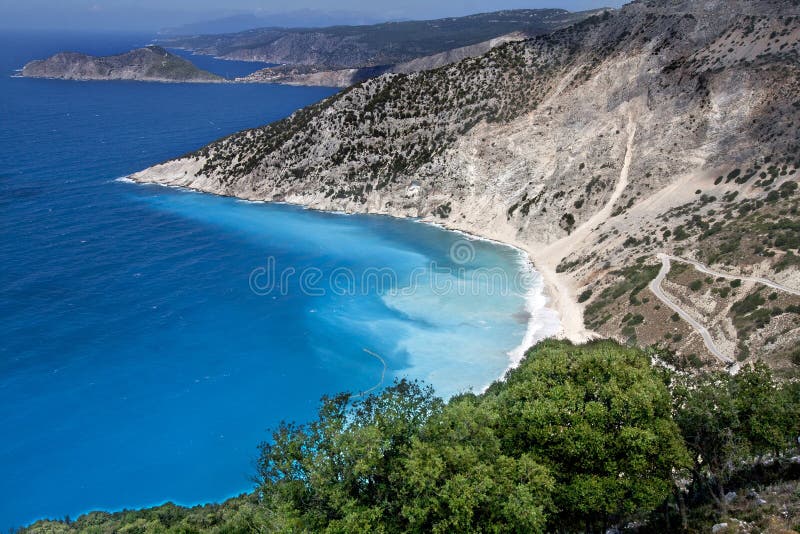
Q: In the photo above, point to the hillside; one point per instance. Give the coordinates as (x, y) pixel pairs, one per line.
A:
(150, 64)
(659, 128)
(319, 76)
(355, 47)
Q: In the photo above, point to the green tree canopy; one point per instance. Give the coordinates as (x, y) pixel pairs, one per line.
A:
(729, 419)
(577, 436)
(575, 439)
(457, 479)
(600, 418)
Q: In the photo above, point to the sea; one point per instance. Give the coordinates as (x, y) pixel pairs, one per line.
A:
(151, 337)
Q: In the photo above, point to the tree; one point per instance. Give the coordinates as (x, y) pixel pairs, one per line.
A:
(335, 474)
(577, 437)
(766, 410)
(457, 479)
(599, 418)
(728, 421)
(707, 415)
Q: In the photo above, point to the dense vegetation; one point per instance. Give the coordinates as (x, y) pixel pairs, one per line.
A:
(577, 438)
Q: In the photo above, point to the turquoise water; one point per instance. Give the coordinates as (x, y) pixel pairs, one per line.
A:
(144, 352)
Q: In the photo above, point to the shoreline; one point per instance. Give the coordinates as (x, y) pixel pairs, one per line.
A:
(555, 294)
(537, 293)
(557, 289)
(138, 80)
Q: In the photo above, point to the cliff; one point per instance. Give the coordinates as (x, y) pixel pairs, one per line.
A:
(664, 127)
(151, 64)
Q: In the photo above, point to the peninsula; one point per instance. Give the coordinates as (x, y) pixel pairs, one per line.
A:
(148, 64)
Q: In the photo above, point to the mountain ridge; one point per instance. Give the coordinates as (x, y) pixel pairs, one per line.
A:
(375, 45)
(314, 76)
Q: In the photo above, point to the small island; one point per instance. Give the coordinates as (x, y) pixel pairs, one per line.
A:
(148, 64)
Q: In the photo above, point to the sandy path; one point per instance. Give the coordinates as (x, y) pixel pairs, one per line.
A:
(567, 245)
(655, 287)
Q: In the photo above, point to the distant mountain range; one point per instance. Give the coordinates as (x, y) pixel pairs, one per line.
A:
(388, 43)
(333, 56)
(302, 18)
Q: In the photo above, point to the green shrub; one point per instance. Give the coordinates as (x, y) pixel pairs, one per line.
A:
(747, 304)
(681, 233)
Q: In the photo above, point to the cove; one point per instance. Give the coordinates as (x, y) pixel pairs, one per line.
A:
(140, 363)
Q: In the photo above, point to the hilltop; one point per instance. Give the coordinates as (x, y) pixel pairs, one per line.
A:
(151, 64)
(663, 127)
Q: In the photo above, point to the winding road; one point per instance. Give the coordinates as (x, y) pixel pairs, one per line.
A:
(655, 287)
(703, 269)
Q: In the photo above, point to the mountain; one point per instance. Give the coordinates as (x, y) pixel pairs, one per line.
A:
(315, 76)
(661, 128)
(151, 63)
(302, 18)
(352, 47)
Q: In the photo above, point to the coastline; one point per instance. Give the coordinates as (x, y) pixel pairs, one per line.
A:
(559, 290)
(538, 300)
(140, 80)
(554, 297)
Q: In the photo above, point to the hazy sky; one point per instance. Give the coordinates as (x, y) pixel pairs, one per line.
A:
(156, 14)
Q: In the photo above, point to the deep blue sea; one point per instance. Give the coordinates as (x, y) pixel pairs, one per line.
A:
(150, 337)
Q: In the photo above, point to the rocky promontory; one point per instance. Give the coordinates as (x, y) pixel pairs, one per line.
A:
(148, 64)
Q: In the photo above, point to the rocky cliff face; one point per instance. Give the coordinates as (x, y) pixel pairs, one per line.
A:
(663, 127)
(151, 63)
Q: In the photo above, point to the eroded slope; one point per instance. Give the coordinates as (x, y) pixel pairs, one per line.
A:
(663, 127)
